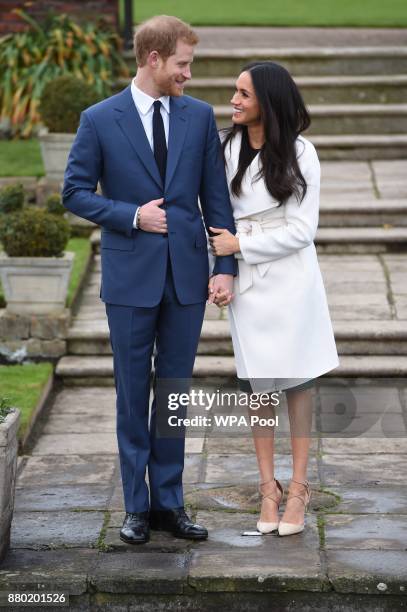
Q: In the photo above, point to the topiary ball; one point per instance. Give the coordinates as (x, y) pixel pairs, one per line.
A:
(62, 101)
(11, 198)
(34, 232)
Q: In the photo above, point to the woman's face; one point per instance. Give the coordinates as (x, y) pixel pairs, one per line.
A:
(246, 108)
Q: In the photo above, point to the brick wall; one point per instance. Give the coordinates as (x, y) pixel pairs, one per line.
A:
(80, 9)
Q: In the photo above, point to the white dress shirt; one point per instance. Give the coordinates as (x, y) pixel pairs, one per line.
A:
(144, 105)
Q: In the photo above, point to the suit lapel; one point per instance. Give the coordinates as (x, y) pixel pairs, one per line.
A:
(179, 120)
(130, 123)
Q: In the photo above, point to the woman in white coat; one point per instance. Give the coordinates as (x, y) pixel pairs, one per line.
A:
(280, 324)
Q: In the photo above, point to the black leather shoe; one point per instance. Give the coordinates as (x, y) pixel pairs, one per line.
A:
(177, 522)
(135, 528)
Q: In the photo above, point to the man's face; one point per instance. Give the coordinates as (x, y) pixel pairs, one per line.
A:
(171, 74)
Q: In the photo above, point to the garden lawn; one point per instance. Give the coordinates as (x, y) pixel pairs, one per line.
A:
(82, 249)
(20, 158)
(23, 385)
(360, 13)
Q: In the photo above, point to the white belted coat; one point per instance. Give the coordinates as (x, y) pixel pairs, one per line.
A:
(280, 324)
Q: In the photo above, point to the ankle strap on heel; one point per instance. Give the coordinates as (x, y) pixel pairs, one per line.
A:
(269, 496)
(299, 495)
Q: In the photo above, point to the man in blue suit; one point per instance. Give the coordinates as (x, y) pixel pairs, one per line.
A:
(154, 152)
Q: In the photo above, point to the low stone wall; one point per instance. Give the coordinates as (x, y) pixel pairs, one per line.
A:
(81, 10)
(33, 336)
(8, 470)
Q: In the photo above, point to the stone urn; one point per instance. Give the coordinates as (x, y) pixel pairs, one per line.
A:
(35, 285)
(8, 471)
(55, 149)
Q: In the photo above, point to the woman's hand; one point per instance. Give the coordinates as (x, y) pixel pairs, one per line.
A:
(220, 290)
(224, 243)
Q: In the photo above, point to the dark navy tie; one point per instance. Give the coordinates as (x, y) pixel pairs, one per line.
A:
(160, 145)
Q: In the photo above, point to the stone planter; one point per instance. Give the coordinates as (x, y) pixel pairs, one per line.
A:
(35, 285)
(8, 470)
(55, 149)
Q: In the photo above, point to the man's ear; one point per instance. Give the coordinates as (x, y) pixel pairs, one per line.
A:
(153, 59)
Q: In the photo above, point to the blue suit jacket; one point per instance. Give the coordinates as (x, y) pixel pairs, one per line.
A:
(111, 147)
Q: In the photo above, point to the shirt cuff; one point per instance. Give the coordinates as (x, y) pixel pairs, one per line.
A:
(135, 224)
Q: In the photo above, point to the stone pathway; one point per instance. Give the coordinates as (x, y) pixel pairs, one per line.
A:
(69, 508)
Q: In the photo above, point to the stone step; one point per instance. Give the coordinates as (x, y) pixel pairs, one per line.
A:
(343, 119)
(362, 213)
(352, 338)
(343, 239)
(346, 240)
(352, 213)
(300, 61)
(348, 89)
(98, 370)
(360, 146)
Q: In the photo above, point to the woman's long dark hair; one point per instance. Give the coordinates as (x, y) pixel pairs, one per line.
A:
(284, 117)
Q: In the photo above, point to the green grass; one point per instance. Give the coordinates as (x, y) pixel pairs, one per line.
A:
(82, 249)
(20, 158)
(23, 385)
(289, 13)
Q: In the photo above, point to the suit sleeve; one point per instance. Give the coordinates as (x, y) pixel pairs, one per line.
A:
(214, 195)
(301, 219)
(83, 171)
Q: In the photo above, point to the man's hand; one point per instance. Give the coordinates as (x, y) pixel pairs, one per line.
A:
(151, 218)
(220, 289)
(224, 243)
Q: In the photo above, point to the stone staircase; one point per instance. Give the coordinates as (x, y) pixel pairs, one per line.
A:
(368, 305)
(357, 100)
(356, 95)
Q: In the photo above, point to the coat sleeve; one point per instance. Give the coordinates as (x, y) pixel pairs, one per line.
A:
(214, 195)
(83, 171)
(301, 219)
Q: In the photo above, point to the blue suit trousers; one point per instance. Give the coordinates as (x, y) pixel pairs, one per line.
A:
(174, 329)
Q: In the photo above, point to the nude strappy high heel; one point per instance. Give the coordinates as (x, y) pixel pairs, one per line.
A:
(263, 526)
(284, 528)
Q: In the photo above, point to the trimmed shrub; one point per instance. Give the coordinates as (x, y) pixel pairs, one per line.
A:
(62, 101)
(11, 198)
(54, 206)
(34, 232)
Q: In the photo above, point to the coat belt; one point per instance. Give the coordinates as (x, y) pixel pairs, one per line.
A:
(251, 227)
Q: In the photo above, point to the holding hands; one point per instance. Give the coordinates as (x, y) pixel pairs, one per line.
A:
(220, 289)
(220, 286)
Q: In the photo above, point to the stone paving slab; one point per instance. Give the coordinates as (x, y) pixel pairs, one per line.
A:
(226, 528)
(136, 573)
(76, 444)
(346, 446)
(367, 571)
(65, 424)
(268, 569)
(351, 470)
(63, 570)
(54, 470)
(56, 529)
(361, 500)
(373, 531)
(84, 400)
(66, 497)
(243, 468)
